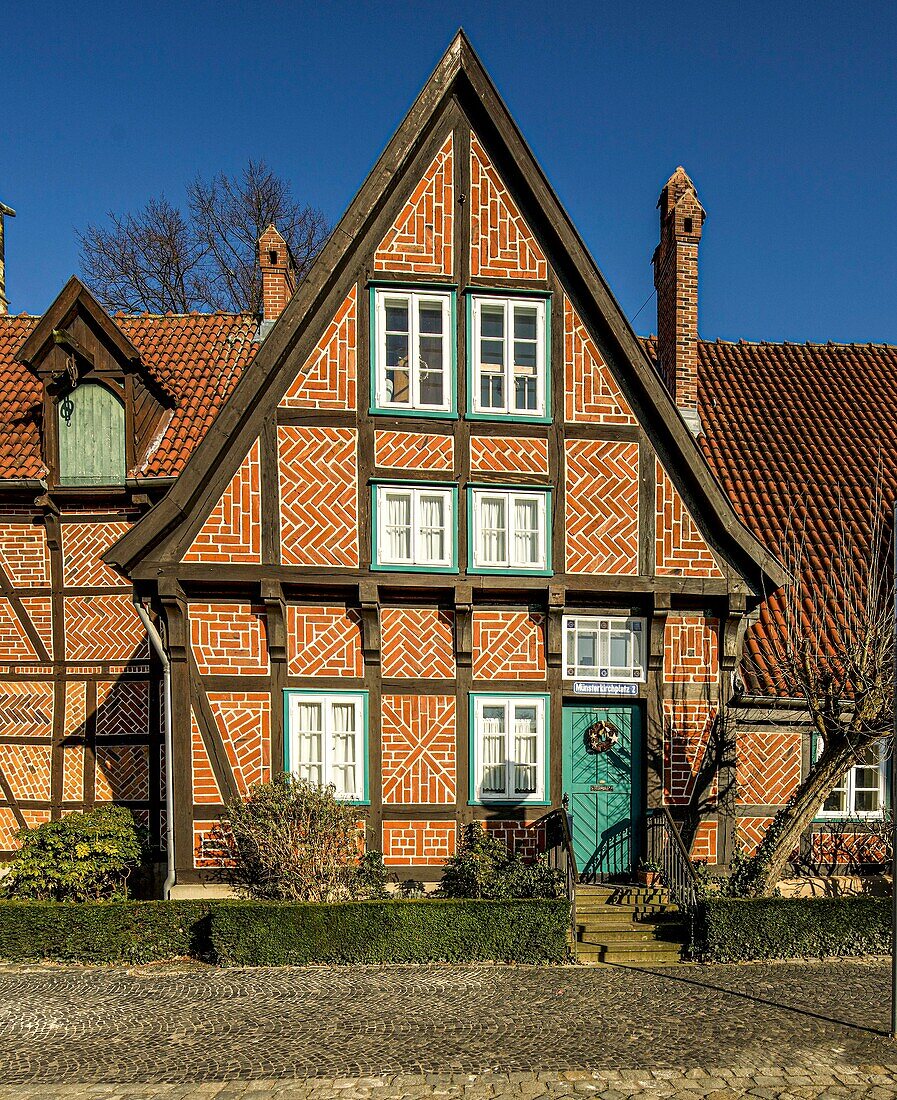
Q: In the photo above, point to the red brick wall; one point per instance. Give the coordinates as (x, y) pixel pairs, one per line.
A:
(418, 738)
(244, 723)
(680, 547)
(103, 628)
(318, 495)
(508, 455)
(229, 638)
(83, 544)
(704, 845)
(417, 643)
(328, 378)
(508, 645)
(414, 451)
(767, 767)
(687, 727)
(601, 507)
(23, 554)
(421, 240)
(419, 842)
(324, 641)
(591, 393)
(501, 243)
(519, 837)
(233, 532)
(691, 650)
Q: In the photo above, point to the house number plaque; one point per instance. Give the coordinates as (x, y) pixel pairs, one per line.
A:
(600, 787)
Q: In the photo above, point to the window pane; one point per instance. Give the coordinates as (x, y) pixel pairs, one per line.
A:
(492, 322)
(836, 802)
(867, 801)
(398, 388)
(526, 395)
(432, 372)
(397, 316)
(619, 650)
(397, 527)
(493, 749)
(525, 323)
(309, 762)
(587, 649)
(343, 748)
(525, 750)
(492, 390)
(526, 532)
(430, 317)
(493, 530)
(432, 529)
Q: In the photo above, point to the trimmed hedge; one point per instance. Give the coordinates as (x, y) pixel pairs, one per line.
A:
(293, 934)
(737, 929)
(103, 931)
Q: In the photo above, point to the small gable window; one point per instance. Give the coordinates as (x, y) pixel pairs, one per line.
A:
(415, 528)
(509, 357)
(413, 351)
(509, 531)
(91, 435)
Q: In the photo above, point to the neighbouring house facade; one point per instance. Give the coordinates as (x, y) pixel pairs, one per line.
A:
(441, 531)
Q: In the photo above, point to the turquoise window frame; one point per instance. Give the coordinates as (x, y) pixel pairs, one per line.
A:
(288, 693)
(473, 756)
(485, 571)
(493, 292)
(434, 288)
(378, 483)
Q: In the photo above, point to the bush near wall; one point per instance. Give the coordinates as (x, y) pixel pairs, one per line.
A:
(736, 929)
(103, 931)
(291, 934)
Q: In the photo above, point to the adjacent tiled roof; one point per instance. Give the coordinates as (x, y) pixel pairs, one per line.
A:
(197, 356)
(798, 435)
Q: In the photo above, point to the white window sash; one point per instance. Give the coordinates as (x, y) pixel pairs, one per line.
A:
(420, 534)
(413, 300)
(485, 548)
(850, 788)
(518, 743)
(341, 760)
(508, 307)
(575, 626)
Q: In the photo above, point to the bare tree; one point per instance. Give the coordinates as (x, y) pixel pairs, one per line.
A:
(160, 259)
(834, 650)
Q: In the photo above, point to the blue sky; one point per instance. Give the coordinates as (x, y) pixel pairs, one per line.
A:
(783, 114)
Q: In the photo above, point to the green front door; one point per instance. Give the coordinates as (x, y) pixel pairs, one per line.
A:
(602, 776)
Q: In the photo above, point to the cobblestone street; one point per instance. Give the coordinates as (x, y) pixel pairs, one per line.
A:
(765, 1030)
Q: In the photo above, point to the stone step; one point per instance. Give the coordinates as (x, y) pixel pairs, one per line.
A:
(658, 956)
(619, 938)
(634, 912)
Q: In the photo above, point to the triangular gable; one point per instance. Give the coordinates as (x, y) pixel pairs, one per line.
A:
(592, 392)
(502, 245)
(327, 379)
(497, 145)
(421, 241)
(680, 548)
(233, 531)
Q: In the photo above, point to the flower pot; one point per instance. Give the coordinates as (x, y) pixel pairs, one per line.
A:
(649, 878)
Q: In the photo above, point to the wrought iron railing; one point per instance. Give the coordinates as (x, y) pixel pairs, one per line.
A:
(559, 850)
(667, 849)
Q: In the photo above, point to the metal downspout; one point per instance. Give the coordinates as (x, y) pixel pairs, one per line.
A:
(157, 644)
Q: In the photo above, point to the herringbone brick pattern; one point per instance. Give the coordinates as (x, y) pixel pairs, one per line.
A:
(14, 643)
(421, 241)
(703, 846)
(418, 739)
(73, 773)
(687, 727)
(233, 532)
(207, 845)
(244, 721)
(75, 718)
(418, 843)
(749, 831)
(328, 378)
(842, 847)
(103, 628)
(83, 545)
(229, 638)
(508, 455)
(122, 707)
(39, 610)
(205, 786)
(767, 768)
(502, 245)
(26, 709)
(23, 555)
(519, 837)
(9, 826)
(318, 495)
(27, 771)
(414, 451)
(122, 773)
(680, 547)
(324, 641)
(508, 645)
(691, 650)
(591, 393)
(601, 507)
(417, 643)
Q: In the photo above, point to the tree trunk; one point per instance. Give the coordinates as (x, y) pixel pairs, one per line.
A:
(764, 870)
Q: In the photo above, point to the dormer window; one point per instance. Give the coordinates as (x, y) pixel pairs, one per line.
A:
(91, 436)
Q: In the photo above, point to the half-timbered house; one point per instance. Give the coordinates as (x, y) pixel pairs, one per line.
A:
(442, 531)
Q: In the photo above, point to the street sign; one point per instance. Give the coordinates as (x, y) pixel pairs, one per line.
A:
(603, 687)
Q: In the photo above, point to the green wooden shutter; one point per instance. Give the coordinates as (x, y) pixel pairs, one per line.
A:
(92, 440)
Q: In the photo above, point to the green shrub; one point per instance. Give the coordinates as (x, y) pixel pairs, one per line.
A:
(483, 867)
(105, 931)
(285, 934)
(290, 840)
(735, 929)
(82, 857)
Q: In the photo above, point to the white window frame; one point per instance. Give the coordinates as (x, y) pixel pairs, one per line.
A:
(509, 703)
(508, 305)
(327, 701)
(850, 789)
(510, 562)
(416, 559)
(633, 673)
(413, 299)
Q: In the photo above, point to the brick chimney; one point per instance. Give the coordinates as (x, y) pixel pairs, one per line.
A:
(676, 281)
(5, 212)
(278, 275)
